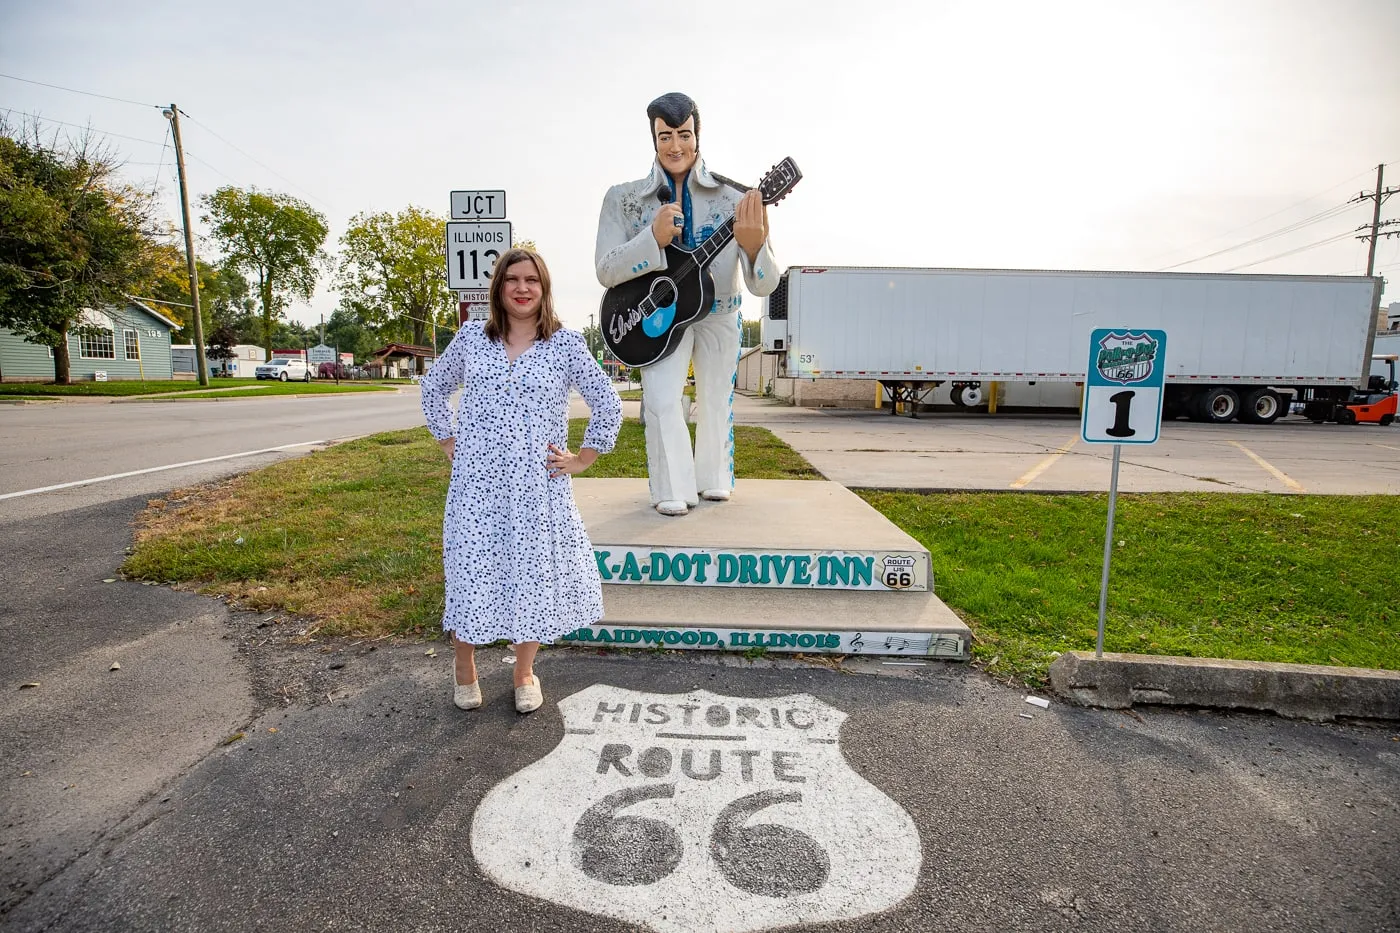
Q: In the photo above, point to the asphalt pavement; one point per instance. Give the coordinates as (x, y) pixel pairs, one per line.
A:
(231, 775)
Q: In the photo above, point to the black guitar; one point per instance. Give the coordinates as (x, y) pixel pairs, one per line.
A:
(643, 318)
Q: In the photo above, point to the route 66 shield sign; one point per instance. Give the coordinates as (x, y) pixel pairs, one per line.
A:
(697, 812)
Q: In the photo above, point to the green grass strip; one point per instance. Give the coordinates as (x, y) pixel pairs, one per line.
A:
(1303, 579)
(353, 534)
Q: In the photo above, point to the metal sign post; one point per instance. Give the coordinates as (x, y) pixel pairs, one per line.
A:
(1122, 405)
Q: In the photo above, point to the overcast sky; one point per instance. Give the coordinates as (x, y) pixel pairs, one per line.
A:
(1018, 134)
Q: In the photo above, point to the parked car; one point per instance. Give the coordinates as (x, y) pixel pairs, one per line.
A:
(284, 368)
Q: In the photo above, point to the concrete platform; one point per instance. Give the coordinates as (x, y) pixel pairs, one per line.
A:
(761, 536)
(764, 530)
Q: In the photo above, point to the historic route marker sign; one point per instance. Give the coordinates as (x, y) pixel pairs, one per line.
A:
(1123, 395)
(696, 812)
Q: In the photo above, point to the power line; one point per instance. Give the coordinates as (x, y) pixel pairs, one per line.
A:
(161, 164)
(1282, 231)
(73, 90)
(1322, 242)
(1274, 214)
(251, 159)
(202, 162)
(35, 116)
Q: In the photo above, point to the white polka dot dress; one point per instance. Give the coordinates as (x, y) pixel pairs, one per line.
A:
(517, 560)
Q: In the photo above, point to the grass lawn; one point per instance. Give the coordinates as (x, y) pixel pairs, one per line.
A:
(635, 395)
(289, 388)
(189, 387)
(123, 387)
(352, 535)
(1307, 579)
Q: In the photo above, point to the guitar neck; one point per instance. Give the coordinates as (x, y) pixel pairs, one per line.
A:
(715, 242)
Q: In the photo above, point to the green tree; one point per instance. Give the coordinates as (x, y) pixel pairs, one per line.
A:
(350, 334)
(72, 236)
(752, 334)
(224, 296)
(290, 335)
(222, 340)
(593, 337)
(274, 238)
(392, 269)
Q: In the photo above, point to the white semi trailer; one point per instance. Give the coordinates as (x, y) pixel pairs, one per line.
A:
(1238, 346)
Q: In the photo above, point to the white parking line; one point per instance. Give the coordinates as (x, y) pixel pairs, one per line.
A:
(1044, 465)
(1278, 474)
(1386, 446)
(169, 466)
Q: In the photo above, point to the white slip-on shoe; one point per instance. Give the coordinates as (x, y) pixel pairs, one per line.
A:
(467, 696)
(529, 697)
(715, 495)
(672, 507)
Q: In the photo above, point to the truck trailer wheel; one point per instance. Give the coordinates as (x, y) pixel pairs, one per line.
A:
(1262, 406)
(1219, 404)
(967, 396)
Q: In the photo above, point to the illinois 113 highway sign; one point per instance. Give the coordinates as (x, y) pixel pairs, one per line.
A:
(1123, 388)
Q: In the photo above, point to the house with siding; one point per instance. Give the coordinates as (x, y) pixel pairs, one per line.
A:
(131, 341)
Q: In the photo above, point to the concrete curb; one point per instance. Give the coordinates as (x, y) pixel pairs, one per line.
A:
(1297, 691)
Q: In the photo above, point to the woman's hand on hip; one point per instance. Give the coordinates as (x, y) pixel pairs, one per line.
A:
(563, 463)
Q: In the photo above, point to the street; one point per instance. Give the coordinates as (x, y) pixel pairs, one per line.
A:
(230, 775)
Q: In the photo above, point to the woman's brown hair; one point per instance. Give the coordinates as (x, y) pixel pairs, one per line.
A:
(496, 324)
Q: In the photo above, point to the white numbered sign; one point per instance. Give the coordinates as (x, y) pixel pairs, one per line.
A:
(697, 812)
(1123, 387)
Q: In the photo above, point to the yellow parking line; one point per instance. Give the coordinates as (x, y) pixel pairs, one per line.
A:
(1044, 465)
(1278, 474)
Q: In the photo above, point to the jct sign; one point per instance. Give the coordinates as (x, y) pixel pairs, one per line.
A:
(697, 812)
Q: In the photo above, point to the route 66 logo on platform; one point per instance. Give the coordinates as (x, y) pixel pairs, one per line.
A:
(697, 812)
(1126, 357)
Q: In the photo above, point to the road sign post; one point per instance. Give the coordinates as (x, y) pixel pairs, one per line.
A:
(1122, 405)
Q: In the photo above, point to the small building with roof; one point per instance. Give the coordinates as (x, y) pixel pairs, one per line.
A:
(129, 341)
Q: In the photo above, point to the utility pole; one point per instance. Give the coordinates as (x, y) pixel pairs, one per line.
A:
(173, 115)
(1379, 196)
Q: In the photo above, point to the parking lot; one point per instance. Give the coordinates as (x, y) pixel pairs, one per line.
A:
(1044, 453)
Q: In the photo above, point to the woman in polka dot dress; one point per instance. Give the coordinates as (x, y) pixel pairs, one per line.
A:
(518, 562)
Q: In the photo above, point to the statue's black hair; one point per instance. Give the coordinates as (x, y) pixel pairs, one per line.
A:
(673, 109)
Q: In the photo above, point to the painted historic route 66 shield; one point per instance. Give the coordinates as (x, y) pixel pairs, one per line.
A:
(697, 812)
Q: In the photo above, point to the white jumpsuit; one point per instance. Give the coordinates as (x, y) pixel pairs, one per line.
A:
(627, 249)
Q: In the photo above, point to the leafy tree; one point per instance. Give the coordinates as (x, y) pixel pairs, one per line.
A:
(593, 336)
(289, 335)
(752, 334)
(391, 269)
(72, 236)
(224, 297)
(221, 343)
(276, 239)
(347, 331)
